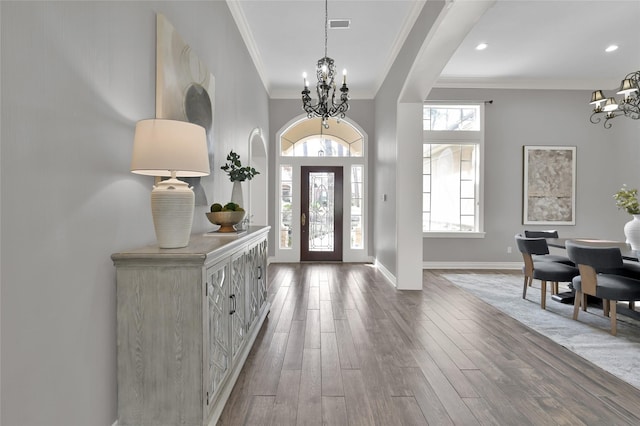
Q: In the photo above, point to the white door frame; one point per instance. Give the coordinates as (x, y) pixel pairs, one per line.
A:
(293, 254)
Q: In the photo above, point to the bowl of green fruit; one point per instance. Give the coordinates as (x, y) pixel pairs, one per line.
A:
(226, 216)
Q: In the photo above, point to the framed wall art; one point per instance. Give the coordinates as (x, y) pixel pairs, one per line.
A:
(185, 90)
(549, 185)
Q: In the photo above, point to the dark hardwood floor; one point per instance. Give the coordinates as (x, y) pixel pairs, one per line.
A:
(341, 346)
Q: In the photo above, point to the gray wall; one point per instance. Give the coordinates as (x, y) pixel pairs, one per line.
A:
(75, 77)
(605, 160)
(282, 111)
(384, 148)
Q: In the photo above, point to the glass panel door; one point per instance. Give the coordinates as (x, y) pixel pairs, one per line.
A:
(321, 214)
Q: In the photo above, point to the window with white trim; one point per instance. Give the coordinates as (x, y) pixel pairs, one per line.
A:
(451, 168)
(286, 185)
(357, 205)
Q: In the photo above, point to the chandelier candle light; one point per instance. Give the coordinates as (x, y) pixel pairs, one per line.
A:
(326, 87)
(629, 106)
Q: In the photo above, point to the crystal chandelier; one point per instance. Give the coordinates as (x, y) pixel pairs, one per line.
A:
(326, 87)
(629, 106)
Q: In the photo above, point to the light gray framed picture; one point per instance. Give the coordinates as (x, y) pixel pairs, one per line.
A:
(185, 91)
(549, 185)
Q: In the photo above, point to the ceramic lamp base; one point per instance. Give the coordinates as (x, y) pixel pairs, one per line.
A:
(172, 205)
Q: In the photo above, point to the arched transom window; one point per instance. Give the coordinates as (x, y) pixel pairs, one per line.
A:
(309, 138)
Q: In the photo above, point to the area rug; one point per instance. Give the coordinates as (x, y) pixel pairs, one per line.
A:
(588, 337)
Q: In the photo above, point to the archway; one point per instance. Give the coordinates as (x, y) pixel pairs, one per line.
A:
(304, 143)
(258, 186)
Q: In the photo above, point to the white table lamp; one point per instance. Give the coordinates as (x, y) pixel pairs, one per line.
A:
(170, 148)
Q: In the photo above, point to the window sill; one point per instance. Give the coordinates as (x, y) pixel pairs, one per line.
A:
(453, 235)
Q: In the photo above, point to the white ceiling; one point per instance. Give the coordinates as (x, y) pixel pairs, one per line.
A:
(542, 44)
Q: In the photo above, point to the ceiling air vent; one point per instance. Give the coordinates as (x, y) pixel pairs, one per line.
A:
(342, 24)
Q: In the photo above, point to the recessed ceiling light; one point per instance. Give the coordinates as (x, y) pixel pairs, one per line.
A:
(611, 48)
(482, 46)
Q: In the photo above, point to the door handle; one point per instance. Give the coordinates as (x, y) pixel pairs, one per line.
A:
(303, 219)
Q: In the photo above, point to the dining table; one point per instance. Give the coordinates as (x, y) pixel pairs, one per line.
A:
(627, 252)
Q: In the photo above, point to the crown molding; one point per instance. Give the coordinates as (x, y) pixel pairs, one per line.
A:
(516, 83)
(401, 37)
(249, 41)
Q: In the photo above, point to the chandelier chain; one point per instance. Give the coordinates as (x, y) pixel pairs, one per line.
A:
(333, 101)
(326, 23)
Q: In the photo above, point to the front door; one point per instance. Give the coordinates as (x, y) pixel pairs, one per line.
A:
(321, 214)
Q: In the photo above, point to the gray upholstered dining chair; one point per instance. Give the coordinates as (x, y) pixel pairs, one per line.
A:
(544, 271)
(548, 257)
(541, 234)
(595, 279)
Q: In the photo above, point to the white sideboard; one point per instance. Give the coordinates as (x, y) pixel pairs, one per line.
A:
(186, 321)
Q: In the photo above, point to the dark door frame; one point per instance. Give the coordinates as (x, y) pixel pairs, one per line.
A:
(338, 213)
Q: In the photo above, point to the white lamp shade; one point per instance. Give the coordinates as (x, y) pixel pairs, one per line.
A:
(627, 86)
(162, 146)
(597, 97)
(610, 105)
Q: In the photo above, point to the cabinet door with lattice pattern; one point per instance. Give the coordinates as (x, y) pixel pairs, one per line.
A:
(261, 272)
(253, 307)
(237, 300)
(217, 338)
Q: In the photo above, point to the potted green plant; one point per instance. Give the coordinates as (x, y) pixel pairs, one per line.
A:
(627, 200)
(238, 173)
(235, 170)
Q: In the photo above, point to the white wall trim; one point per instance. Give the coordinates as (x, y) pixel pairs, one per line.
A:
(451, 25)
(292, 254)
(431, 265)
(245, 32)
(259, 186)
(433, 234)
(451, 82)
(408, 197)
(387, 274)
(401, 38)
(472, 265)
(364, 259)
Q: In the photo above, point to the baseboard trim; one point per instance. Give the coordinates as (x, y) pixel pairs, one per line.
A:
(386, 273)
(472, 265)
(364, 259)
(435, 265)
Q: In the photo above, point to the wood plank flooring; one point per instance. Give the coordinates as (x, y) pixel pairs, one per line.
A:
(343, 347)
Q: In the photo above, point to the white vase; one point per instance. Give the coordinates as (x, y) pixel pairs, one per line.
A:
(236, 193)
(632, 232)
